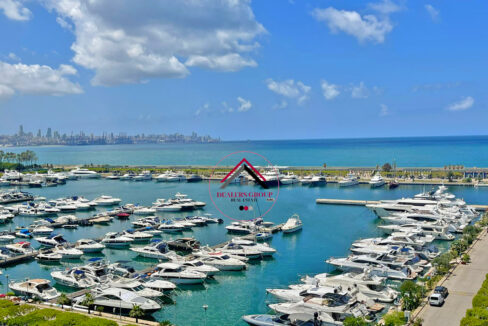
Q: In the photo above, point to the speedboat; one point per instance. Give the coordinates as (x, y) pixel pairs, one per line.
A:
(68, 253)
(171, 227)
(239, 250)
(134, 286)
(178, 274)
(160, 285)
(6, 238)
(106, 201)
(22, 247)
(222, 261)
(158, 250)
(116, 240)
(89, 245)
(293, 224)
(264, 248)
(195, 265)
(122, 299)
(51, 241)
(376, 181)
(97, 269)
(74, 277)
(5, 253)
(144, 211)
(263, 236)
(184, 244)
(240, 228)
(349, 180)
(137, 236)
(305, 319)
(49, 256)
(42, 230)
(84, 173)
(37, 288)
(23, 233)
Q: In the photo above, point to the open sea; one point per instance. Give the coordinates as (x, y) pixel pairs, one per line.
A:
(470, 151)
(328, 231)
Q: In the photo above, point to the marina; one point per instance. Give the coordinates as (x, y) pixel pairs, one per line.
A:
(270, 272)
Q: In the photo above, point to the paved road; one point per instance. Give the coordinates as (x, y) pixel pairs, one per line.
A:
(463, 284)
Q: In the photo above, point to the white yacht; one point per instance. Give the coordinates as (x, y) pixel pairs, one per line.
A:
(68, 253)
(171, 227)
(117, 298)
(439, 232)
(89, 246)
(222, 261)
(298, 294)
(51, 241)
(289, 179)
(134, 286)
(238, 250)
(116, 240)
(143, 176)
(264, 248)
(157, 250)
(48, 256)
(38, 288)
(144, 211)
(84, 173)
(106, 201)
(22, 247)
(241, 227)
(349, 180)
(42, 230)
(177, 274)
(293, 224)
(160, 285)
(318, 180)
(137, 236)
(376, 181)
(195, 265)
(306, 180)
(74, 277)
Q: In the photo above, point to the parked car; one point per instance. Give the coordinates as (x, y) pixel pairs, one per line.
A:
(442, 290)
(436, 299)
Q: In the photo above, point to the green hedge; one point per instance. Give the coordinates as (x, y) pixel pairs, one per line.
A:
(478, 315)
(14, 315)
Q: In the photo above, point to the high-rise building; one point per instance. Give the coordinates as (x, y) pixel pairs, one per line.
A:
(21, 130)
(49, 133)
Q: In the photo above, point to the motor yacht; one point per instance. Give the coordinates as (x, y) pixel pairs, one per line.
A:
(22, 247)
(401, 239)
(239, 250)
(322, 319)
(298, 294)
(106, 201)
(263, 236)
(306, 180)
(6, 238)
(184, 244)
(349, 180)
(222, 261)
(137, 236)
(177, 274)
(97, 269)
(127, 176)
(156, 250)
(89, 246)
(5, 253)
(116, 240)
(23, 233)
(293, 224)
(74, 277)
(42, 230)
(133, 285)
(48, 256)
(376, 181)
(84, 173)
(439, 232)
(37, 288)
(52, 240)
(171, 227)
(122, 268)
(160, 285)
(318, 180)
(144, 211)
(68, 253)
(264, 248)
(196, 265)
(143, 176)
(241, 228)
(289, 179)
(122, 299)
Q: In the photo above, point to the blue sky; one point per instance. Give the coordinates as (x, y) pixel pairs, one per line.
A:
(266, 69)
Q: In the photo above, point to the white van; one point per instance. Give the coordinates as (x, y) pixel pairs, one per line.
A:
(436, 299)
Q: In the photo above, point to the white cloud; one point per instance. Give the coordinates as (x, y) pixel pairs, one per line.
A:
(36, 79)
(364, 28)
(384, 111)
(386, 7)
(283, 104)
(360, 91)
(15, 10)
(64, 24)
(461, 105)
(291, 89)
(13, 56)
(203, 109)
(129, 42)
(244, 105)
(330, 91)
(433, 12)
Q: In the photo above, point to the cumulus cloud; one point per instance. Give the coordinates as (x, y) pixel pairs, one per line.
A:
(329, 90)
(132, 41)
(283, 104)
(386, 7)
(36, 79)
(205, 108)
(15, 10)
(433, 12)
(360, 91)
(461, 105)
(12, 56)
(384, 111)
(363, 28)
(291, 89)
(244, 105)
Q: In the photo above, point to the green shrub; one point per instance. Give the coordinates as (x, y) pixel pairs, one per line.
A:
(396, 318)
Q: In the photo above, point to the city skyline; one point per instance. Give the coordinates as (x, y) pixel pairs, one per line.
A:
(234, 70)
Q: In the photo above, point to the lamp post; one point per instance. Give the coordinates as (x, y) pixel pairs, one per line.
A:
(205, 307)
(120, 305)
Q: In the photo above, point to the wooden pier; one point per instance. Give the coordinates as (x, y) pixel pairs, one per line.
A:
(354, 202)
(17, 259)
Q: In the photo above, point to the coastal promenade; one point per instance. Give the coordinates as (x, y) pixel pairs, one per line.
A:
(463, 283)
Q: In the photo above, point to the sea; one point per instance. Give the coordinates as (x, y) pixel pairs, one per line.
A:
(469, 151)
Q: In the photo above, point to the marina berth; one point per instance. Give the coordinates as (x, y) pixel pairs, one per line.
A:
(35, 288)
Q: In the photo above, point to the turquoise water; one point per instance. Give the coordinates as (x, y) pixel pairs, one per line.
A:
(328, 231)
(406, 152)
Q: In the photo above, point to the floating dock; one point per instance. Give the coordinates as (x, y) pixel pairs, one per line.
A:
(354, 202)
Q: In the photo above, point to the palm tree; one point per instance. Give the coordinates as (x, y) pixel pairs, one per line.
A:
(64, 300)
(88, 301)
(136, 312)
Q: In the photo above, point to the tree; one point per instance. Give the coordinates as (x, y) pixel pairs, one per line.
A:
(136, 312)
(386, 167)
(88, 301)
(63, 300)
(396, 318)
(354, 321)
(100, 310)
(450, 175)
(412, 295)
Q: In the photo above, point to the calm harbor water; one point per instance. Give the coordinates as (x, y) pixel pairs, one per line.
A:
(328, 231)
(406, 152)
